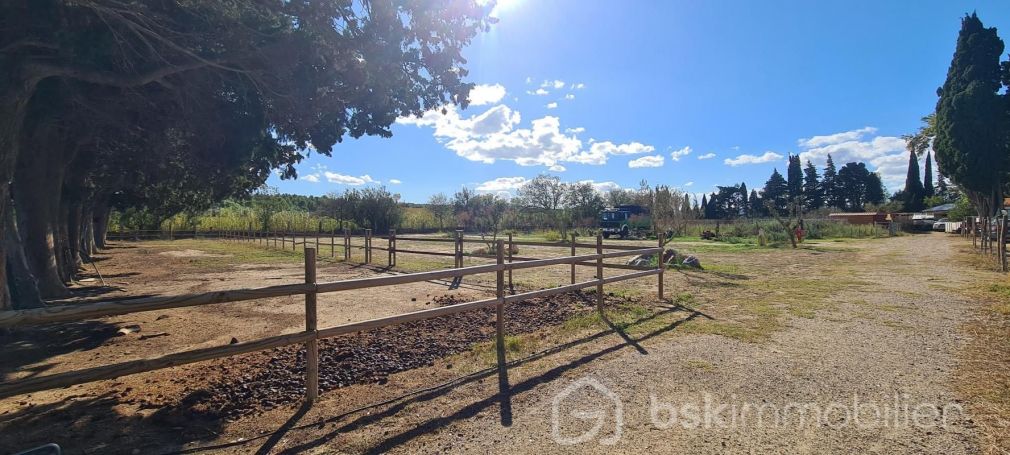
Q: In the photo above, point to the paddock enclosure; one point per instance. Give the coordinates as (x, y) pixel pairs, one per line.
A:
(500, 263)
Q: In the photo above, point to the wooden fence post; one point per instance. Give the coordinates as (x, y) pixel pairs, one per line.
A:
(368, 246)
(347, 244)
(333, 243)
(512, 290)
(311, 346)
(1002, 243)
(599, 274)
(573, 254)
(459, 248)
(319, 228)
(171, 231)
(503, 381)
(391, 247)
(659, 262)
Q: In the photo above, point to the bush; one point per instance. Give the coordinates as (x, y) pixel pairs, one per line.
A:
(552, 236)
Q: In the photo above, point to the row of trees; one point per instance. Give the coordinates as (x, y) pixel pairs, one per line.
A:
(849, 188)
(166, 107)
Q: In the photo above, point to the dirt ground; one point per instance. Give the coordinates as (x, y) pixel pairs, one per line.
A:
(836, 329)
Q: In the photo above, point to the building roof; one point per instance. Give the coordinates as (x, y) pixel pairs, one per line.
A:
(941, 208)
(856, 213)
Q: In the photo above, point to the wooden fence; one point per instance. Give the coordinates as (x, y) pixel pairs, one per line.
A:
(310, 289)
(988, 236)
(364, 242)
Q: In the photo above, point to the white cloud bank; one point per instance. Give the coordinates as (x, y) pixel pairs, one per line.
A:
(342, 179)
(706, 156)
(486, 94)
(494, 135)
(395, 181)
(502, 184)
(752, 159)
(886, 154)
(646, 161)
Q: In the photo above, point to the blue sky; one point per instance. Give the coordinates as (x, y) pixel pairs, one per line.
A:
(686, 93)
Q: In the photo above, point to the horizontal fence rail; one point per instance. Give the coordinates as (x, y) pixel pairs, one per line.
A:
(310, 336)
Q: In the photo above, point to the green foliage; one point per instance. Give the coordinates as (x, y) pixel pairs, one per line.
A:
(971, 117)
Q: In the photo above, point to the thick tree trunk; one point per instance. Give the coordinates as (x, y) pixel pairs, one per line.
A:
(74, 237)
(14, 96)
(23, 288)
(37, 198)
(87, 232)
(101, 222)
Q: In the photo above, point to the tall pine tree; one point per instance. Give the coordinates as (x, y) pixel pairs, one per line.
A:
(812, 187)
(744, 202)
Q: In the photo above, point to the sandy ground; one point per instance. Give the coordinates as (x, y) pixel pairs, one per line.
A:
(827, 328)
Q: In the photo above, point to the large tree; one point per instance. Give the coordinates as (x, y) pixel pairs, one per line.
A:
(794, 177)
(136, 86)
(829, 184)
(912, 194)
(971, 117)
(813, 195)
(776, 192)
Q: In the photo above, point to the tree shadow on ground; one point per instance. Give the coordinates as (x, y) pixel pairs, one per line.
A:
(375, 414)
(30, 346)
(102, 424)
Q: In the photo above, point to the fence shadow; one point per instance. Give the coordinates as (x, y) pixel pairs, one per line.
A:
(376, 413)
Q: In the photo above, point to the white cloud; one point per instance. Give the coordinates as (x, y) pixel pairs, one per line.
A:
(603, 187)
(552, 105)
(575, 130)
(342, 179)
(486, 94)
(314, 178)
(578, 86)
(502, 184)
(529, 80)
(837, 138)
(688, 184)
(676, 155)
(394, 181)
(752, 159)
(706, 156)
(647, 161)
(570, 96)
(538, 92)
(493, 135)
(557, 168)
(557, 84)
(886, 154)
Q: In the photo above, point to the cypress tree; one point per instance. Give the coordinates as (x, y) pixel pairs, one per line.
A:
(912, 194)
(795, 177)
(756, 204)
(927, 178)
(829, 189)
(704, 207)
(812, 187)
(971, 117)
(777, 192)
(744, 203)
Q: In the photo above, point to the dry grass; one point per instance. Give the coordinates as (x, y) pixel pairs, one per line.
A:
(983, 377)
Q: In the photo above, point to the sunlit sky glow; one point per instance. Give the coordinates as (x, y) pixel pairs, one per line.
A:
(689, 94)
